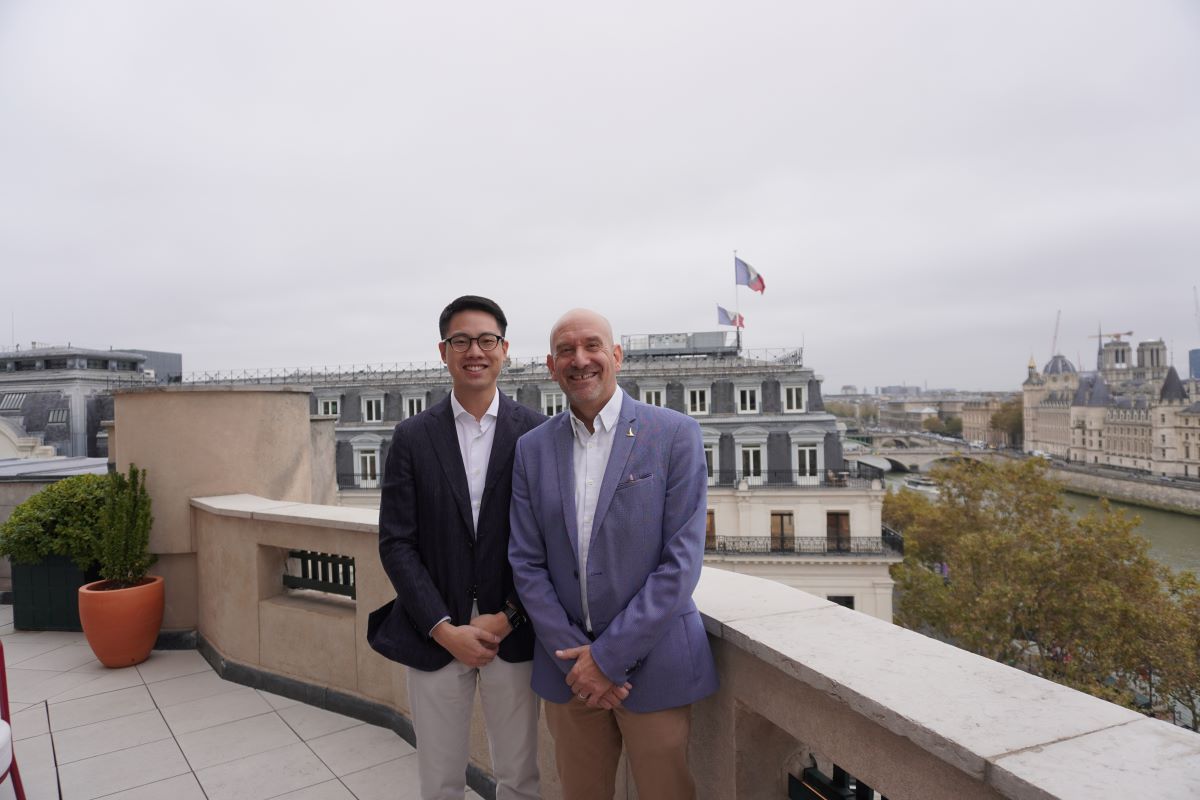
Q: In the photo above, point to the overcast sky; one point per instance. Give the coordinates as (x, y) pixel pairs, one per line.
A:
(921, 184)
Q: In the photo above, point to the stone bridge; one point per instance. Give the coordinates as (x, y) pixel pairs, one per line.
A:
(915, 459)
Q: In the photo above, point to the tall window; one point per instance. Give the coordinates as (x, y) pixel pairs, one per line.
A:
(747, 400)
(783, 532)
(652, 397)
(806, 463)
(553, 403)
(752, 463)
(697, 401)
(793, 399)
(413, 406)
(373, 409)
(710, 530)
(837, 531)
(330, 406)
(709, 456)
(367, 476)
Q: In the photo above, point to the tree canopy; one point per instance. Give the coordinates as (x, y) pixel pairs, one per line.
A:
(1010, 420)
(997, 565)
(950, 426)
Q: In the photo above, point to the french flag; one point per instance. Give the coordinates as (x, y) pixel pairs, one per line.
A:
(725, 318)
(746, 275)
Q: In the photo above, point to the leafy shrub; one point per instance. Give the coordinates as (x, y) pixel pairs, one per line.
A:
(60, 520)
(124, 549)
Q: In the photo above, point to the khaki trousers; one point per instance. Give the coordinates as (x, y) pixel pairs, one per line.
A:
(441, 704)
(587, 746)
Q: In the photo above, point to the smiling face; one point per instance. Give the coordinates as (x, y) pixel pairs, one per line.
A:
(584, 361)
(474, 371)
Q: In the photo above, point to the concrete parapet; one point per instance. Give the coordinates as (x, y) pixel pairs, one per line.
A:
(804, 681)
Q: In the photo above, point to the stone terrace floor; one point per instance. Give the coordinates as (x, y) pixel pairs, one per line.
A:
(171, 729)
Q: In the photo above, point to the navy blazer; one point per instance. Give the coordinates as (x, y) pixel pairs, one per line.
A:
(438, 564)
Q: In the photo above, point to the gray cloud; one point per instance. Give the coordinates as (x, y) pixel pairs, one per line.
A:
(286, 184)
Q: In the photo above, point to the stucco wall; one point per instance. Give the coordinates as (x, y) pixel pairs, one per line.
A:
(197, 441)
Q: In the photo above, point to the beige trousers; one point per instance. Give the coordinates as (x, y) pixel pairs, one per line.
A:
(441, 707)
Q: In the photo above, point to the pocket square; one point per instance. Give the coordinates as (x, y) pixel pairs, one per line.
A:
(634, 479)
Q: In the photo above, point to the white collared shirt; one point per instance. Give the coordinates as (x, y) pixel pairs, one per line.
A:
(475, 437)
(591, 452)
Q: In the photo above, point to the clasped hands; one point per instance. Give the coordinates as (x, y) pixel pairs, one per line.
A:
(476, 643)
(588, 683)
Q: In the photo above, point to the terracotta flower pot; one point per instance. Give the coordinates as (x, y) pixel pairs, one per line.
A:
(121, 624)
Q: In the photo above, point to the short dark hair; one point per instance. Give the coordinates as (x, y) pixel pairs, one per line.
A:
(471, 302)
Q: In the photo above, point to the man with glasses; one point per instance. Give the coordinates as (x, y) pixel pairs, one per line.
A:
(456, 622)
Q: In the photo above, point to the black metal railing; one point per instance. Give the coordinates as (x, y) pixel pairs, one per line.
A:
(815, 785)
(323, 572)
(799, 545)
(764, 361)
(790, 478)
(893, 539)
(793, 479)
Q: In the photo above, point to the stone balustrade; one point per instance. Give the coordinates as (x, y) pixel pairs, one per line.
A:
(804, 682)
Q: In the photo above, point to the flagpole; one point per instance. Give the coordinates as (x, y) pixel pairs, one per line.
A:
(737, 305)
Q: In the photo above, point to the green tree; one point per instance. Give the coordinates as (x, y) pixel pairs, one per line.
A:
(840, 409)
(997, 565)
(1179, 675)
(953, 426)
(125, 521)
(1010, 420)
(934, 425)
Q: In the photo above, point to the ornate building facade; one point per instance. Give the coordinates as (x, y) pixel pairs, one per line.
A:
(782, 501)
(1131, 413)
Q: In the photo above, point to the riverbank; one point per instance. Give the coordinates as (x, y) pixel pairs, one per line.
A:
(1147, 492)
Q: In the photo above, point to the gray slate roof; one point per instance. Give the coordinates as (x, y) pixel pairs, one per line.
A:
(1172, 388)
(1092, 391)
(1058, 365)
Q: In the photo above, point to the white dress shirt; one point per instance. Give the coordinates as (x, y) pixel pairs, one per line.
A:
(475, 438)
(591, 452)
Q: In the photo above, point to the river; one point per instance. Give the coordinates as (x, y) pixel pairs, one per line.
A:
(1174, 537)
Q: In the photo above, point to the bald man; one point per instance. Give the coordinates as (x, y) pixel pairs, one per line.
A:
(607, 516)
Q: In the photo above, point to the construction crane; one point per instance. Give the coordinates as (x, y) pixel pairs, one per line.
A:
(1054, 341)
(1116, 337)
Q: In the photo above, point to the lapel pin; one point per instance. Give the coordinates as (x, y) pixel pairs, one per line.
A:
(629, 433)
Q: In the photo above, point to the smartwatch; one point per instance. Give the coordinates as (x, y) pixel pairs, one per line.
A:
(514, 616)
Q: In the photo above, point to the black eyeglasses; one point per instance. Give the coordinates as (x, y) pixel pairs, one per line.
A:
(462, 343)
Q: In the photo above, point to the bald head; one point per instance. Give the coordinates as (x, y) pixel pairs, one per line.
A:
(584, 361)
(582, 317)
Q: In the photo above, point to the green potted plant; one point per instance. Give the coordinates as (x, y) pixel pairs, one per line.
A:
(122, 613)
(51, 541)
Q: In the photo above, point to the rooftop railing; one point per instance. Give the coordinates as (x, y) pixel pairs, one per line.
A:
(766, 361)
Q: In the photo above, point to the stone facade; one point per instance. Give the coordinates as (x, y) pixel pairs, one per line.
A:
(52, 399)
(1132, 415)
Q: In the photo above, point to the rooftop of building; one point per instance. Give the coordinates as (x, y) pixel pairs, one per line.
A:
(26, 469)
(41, 350)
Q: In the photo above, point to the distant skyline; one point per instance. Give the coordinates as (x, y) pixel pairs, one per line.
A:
(285, 184)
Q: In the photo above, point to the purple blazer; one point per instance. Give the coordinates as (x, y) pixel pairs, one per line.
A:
(644, 561)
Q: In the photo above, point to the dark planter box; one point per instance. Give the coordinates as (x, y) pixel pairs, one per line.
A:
(46, 595)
